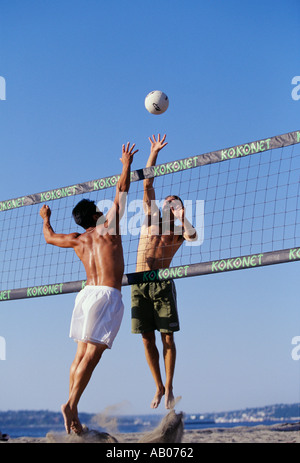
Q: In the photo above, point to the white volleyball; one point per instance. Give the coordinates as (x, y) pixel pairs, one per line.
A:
(156, 102)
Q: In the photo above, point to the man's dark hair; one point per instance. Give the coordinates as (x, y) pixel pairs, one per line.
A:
(175, 197)
(83, 213)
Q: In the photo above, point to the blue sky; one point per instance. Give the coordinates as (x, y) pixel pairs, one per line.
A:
(76, 77)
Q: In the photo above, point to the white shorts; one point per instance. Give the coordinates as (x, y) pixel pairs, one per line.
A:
(97, 315)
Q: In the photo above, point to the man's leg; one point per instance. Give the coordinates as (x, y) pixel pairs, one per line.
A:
(152, 357)
(81, 349)
(169, 351)
(81, 372)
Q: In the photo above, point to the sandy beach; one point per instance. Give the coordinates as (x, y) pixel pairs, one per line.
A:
(282, 433)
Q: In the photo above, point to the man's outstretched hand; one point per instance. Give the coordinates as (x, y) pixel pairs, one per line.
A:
(157, 145)
(128, 153)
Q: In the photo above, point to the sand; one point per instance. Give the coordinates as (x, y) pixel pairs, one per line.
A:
(257, 434)
(171, 431)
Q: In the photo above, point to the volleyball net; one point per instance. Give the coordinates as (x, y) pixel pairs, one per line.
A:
(243, 201)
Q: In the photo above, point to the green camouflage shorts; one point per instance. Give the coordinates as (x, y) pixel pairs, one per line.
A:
(154, 307)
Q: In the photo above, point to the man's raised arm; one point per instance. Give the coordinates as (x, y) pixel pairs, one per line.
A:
(149, 193)
(117, 210)
(126, 159)
(57, 239)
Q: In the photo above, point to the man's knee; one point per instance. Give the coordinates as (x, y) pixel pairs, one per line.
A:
(148, 338)
(168, 340)
(94, 353)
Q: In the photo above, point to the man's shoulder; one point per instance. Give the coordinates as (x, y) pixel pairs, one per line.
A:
(75, 236)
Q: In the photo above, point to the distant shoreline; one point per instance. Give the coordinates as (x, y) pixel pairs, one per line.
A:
(277, 412)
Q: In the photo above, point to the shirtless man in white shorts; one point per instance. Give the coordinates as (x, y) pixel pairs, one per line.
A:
(98, 310)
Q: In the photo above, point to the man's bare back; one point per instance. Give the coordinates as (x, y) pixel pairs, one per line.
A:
(102, 257)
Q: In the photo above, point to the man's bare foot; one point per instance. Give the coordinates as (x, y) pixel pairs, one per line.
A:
(169, 399)
(157, 398)
(76, 426)
(71, 420)
(68, 416)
